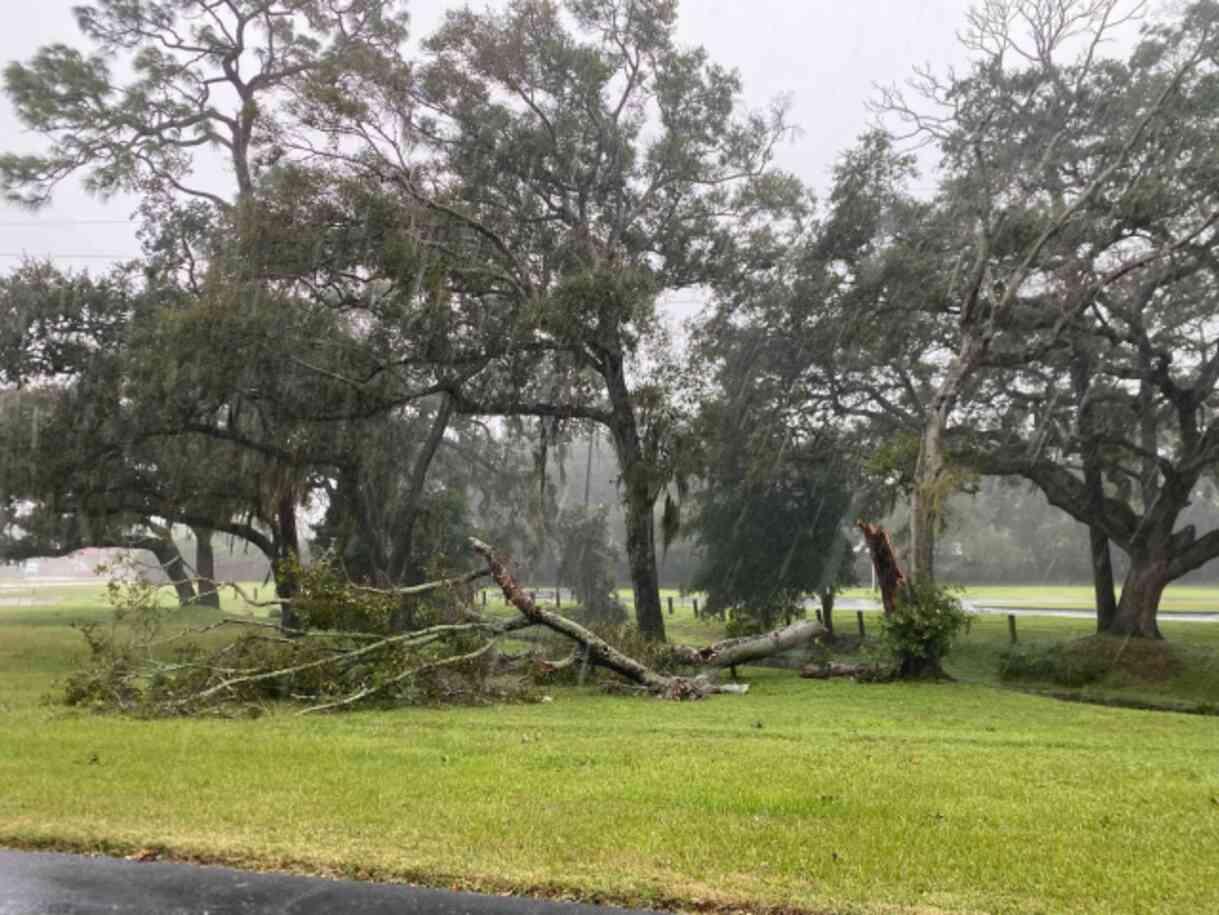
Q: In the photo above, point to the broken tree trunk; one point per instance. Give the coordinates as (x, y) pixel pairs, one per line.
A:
(888, 573)
(599, 652)
(838, 669)
(731, 652)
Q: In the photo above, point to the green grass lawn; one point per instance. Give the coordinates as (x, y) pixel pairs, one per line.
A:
(803, 795)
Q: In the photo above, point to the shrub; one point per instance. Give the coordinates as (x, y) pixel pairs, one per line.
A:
(925, 624)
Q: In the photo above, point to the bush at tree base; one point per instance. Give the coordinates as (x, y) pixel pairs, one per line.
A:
(925, 624)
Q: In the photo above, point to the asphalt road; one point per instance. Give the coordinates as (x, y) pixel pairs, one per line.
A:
(53, 884)
(970, 607)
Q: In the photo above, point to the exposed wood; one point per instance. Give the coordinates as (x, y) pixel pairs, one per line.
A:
(598, 651)
(833, 669)
(731, 652)
(889, 573)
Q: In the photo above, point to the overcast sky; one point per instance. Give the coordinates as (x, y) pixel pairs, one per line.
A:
(825, 55)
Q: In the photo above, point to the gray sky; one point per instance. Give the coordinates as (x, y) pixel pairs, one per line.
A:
(823, 54)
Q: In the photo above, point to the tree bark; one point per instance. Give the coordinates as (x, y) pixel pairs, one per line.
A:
(827, 610)
(1102, 578)
(888, 572)
(1140, 601)
(732, 652)
(205, 568)
(926, 497)
(639, 501)
(1098, 541)
(287, 552)
(599, 652)
(871, 672)
(170, 560)
(645, 579)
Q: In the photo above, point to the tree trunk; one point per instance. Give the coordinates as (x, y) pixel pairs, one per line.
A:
(645, 579)
(596, 649)
(639, 500)
(827, 610)
(1102, 579)
(927, 497)
(170, 560)
(1140, 602)
(874, 673)
(287, 551)
(1102, 562)
(732, 652)
(205, 568)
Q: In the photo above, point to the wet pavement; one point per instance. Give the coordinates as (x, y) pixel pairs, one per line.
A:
(983, 610)
(40, 883)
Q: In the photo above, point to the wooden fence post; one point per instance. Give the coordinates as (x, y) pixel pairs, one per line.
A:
(670, 606)
(859, 616)
(1011, 627)
(695, 599)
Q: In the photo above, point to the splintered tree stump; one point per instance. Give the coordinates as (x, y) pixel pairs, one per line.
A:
(889, 574)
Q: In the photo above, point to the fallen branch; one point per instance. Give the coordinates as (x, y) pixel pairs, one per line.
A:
(599, 652)
(359, 695)
(426, 587)
(731, 652)
(416, 639)
(868, 672)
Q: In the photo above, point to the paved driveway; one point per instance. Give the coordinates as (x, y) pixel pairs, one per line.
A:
(53, 884)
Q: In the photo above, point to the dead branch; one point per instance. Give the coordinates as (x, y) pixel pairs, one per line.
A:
(409, 591)
(731, 652)
(426, 587)
(599, 652)
(418, 639)
(869, 672)
(405, 675)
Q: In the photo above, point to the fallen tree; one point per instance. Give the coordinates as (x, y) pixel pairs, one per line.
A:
(731, 652)
(597, 651)
(875, 673)
(145, 664)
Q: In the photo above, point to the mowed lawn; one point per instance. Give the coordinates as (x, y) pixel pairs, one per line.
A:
(805, 795)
